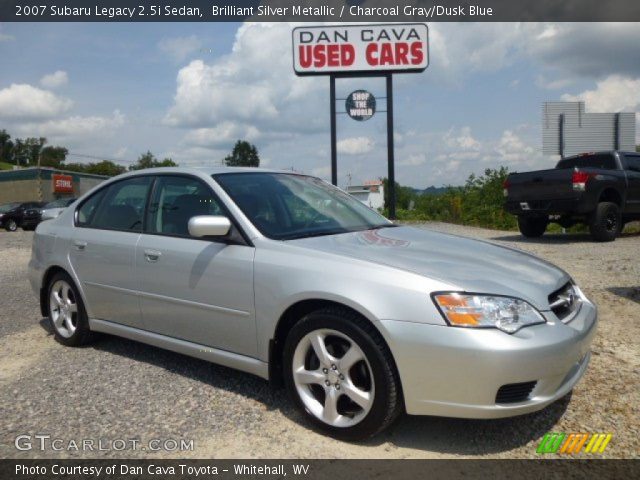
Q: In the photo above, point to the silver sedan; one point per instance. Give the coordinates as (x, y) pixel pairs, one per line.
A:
(289, 278)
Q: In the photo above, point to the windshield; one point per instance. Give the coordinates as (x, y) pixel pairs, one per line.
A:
(8, 207)
(60, 203)
(288, 206)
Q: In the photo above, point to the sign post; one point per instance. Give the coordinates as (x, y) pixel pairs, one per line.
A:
(352, 51)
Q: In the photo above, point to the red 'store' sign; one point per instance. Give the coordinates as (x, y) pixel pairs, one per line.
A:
(320, 50)
(62, 183)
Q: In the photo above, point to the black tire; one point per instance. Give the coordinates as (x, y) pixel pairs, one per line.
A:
(82, 334)
(387, 398)
(532, 227)
(605, 223)
(11, 225)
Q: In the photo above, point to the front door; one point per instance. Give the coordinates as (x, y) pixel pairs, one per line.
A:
(194, 289)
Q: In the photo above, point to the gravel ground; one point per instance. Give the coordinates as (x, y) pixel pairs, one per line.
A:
(117, 389)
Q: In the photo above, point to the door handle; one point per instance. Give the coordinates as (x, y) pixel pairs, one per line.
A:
(152, 255)
(79, 245)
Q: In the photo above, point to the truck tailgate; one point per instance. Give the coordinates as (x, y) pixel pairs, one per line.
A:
(553, 184)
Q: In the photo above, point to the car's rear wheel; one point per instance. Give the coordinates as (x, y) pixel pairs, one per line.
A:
(532, 227)
(11, 226)
(606, 222)
(340, 373)
(67, 313)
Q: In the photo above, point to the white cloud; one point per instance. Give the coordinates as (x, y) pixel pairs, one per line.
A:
(413, 160)
(355, 145)
(224, 134)
(25, 102)
(462, 140)
(54, 80)
(4, 37)
(179, 48)
(251, 85)
(74, 127)
(613, 94)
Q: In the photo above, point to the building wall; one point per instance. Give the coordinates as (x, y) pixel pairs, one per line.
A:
(31, 184)
(19, 191)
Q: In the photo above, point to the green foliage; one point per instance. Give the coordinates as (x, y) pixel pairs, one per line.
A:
(637, 148)
(53, 156)
(148, 160)
(105, 167)
(243, 154)
(479, 203)
(404, 195)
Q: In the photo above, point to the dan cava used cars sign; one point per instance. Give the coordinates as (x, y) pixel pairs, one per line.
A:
(321, 50)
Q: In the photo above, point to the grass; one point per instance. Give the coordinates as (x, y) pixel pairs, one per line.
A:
(6, 166)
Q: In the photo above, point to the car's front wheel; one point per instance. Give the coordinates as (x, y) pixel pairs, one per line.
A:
(67, 313)
(340, 373)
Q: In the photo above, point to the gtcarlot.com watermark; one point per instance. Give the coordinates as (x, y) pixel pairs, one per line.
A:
(44, 442)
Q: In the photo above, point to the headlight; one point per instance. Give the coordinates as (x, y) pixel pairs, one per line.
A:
(486, 311)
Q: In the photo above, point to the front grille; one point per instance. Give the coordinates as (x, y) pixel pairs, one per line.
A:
(564, 302)
(515, 392)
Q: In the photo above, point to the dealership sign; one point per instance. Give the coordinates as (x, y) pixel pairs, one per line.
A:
(360, 105)
(62, 183)
(331, 49)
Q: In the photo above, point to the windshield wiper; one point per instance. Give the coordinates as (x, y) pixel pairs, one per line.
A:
(383, 225)
(314, 234)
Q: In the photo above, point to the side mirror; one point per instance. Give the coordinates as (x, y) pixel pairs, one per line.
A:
(209, 226)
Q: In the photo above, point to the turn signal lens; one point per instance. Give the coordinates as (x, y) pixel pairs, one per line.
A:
(505, 313)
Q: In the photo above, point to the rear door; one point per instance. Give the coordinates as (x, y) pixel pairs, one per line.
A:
(632, 168)
(194, 289)
(103, 249)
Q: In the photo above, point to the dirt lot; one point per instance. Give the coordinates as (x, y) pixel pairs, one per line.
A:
(117, 389)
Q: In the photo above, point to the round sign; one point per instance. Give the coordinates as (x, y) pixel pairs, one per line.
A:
(360, 105)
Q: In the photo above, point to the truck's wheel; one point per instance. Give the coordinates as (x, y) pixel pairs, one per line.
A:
(532, 226)
(605, 223)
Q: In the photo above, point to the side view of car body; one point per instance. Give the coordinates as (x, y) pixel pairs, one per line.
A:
(289, 278)
(20, 214)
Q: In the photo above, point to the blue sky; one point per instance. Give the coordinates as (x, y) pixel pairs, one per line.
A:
(189, 90)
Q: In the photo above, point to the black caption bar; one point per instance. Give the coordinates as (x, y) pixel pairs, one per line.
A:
(318, 10)
(122, 469)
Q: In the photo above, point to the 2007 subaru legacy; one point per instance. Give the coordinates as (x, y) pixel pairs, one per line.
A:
(287, 277)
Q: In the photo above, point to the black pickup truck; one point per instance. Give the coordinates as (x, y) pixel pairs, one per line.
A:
(599, 189)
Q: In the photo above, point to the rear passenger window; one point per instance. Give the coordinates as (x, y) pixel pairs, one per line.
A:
(121, 206)
(175, 201)
(633, 162)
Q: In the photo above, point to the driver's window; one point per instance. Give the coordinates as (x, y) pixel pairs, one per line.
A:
(175, 201)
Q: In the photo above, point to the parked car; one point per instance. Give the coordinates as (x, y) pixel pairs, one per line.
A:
(55, 208)
(289, 278)
(600, 189)
(20, 214)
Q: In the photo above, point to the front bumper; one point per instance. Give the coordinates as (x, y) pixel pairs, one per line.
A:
(456, 372)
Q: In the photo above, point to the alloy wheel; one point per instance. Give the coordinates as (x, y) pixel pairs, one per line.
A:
(333, 378)
(63, 308)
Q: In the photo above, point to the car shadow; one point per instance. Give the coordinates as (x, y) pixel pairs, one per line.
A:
(433, 434)
(555, 238)
(629, 293)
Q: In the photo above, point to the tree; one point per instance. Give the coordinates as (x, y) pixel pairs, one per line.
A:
(243, 154)
(105, 167)
(6, 147)
(637, 148)
(148, 160)
(53, 156)
(404, 195)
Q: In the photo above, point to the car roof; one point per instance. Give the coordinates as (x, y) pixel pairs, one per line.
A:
(209, 170)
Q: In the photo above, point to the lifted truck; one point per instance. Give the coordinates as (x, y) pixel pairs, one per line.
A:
(601, 190)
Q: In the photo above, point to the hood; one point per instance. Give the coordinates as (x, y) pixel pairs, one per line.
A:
(472, 265)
